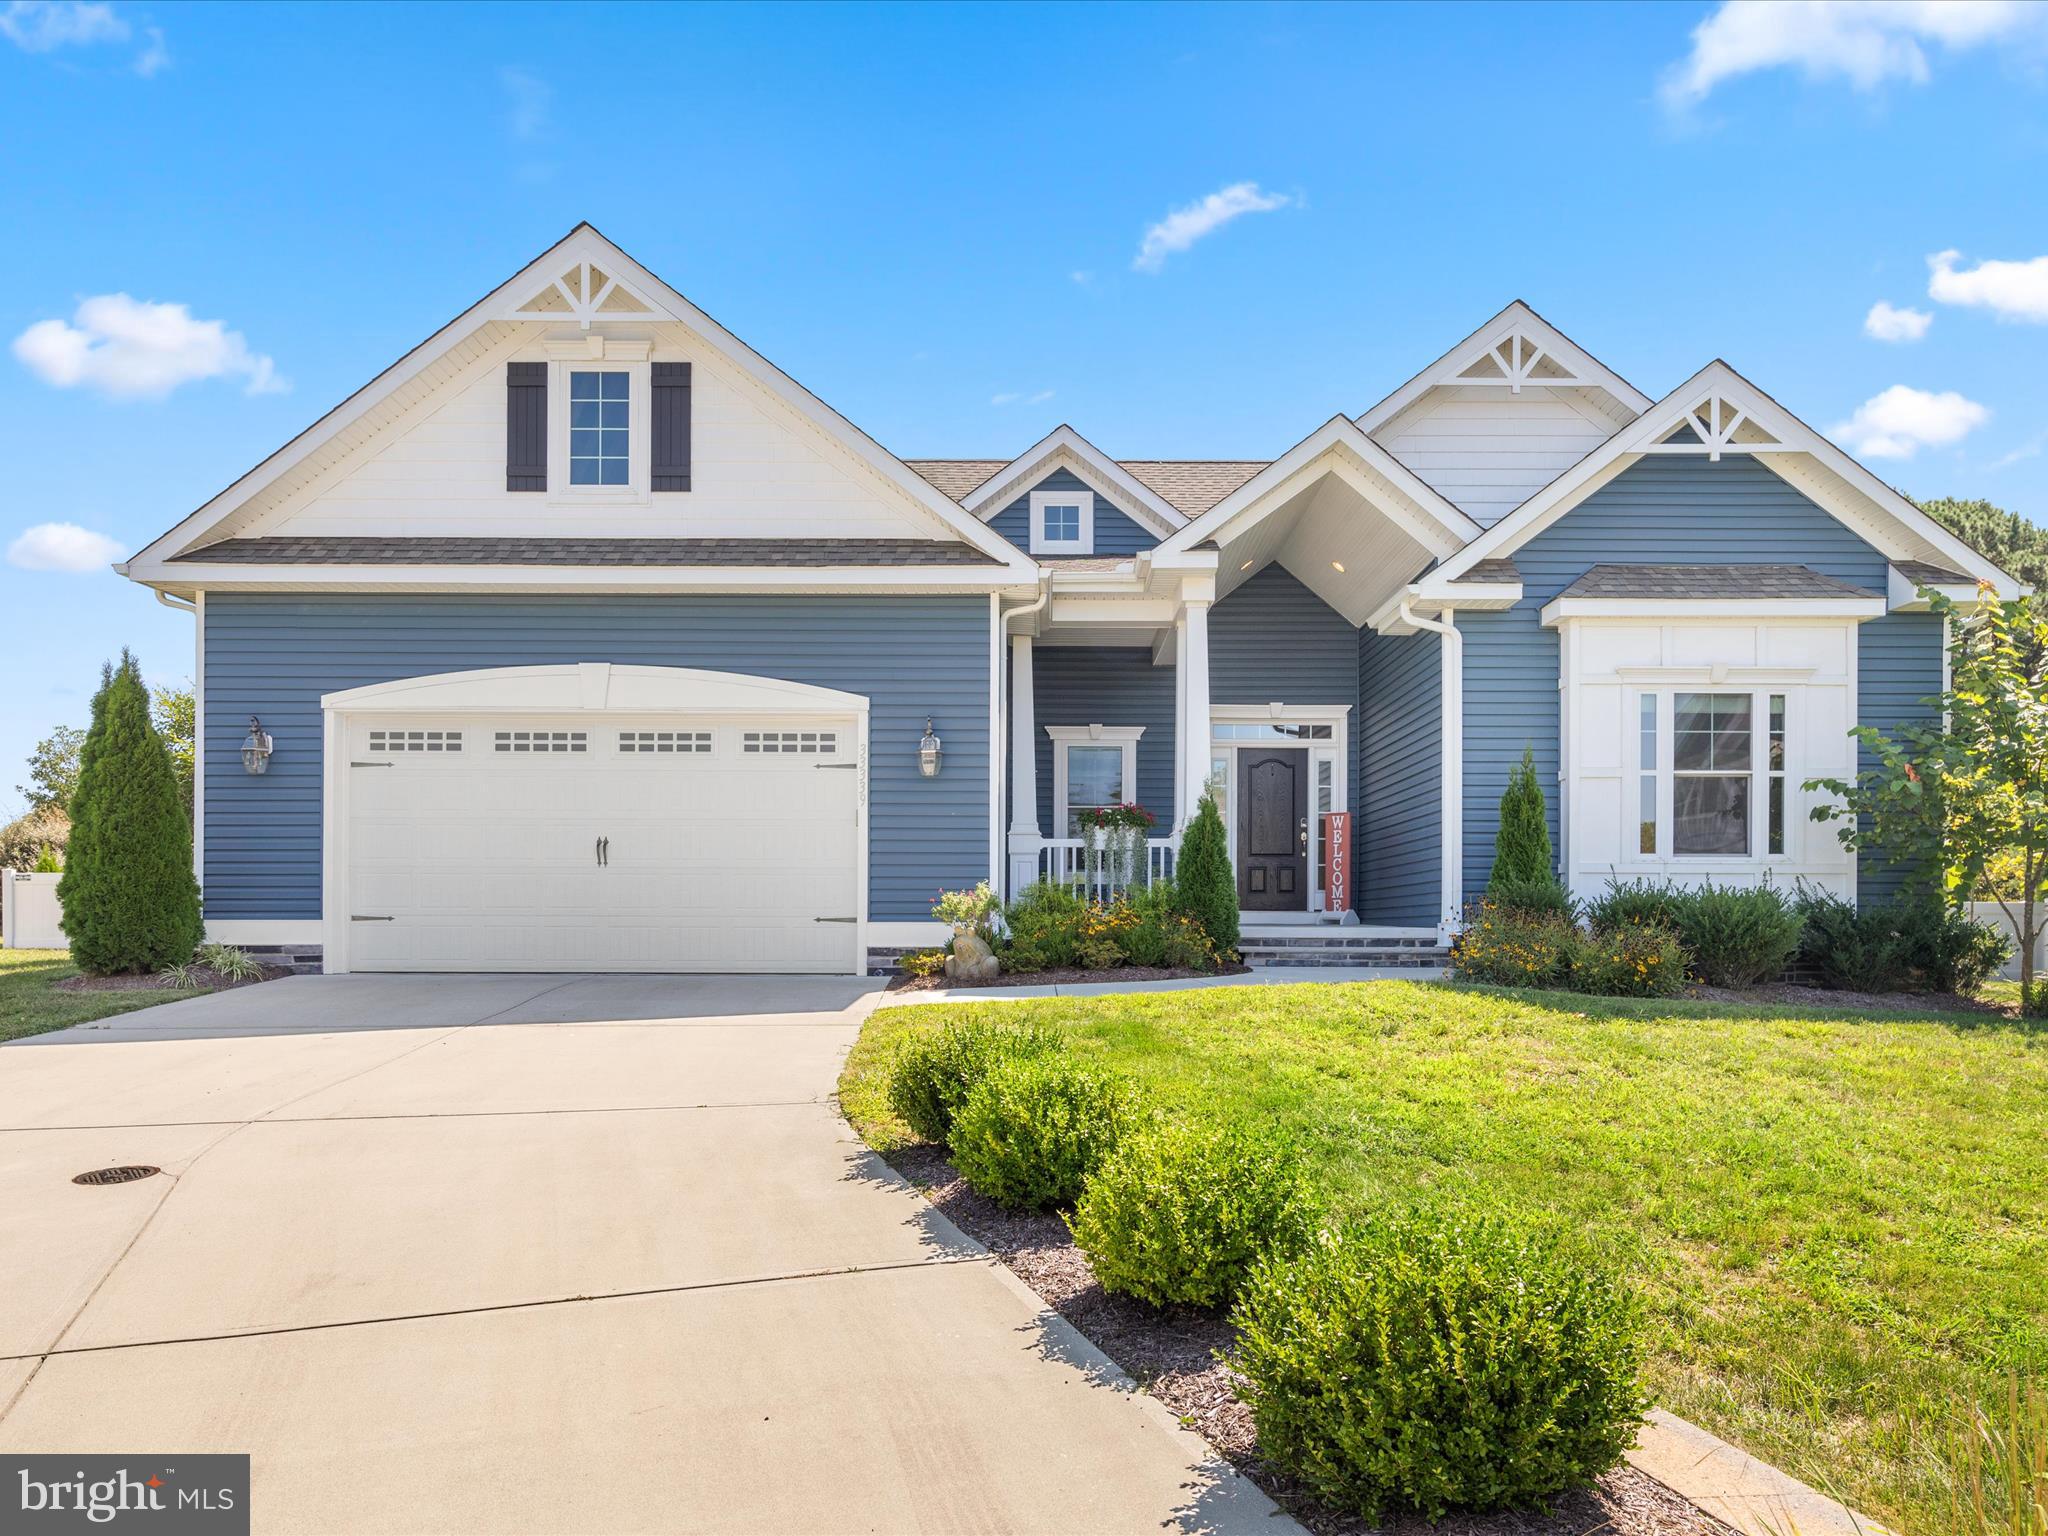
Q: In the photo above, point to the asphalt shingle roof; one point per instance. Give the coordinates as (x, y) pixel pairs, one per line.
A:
(1923, 574)
(1190, 486)
(351, 550)
(1710, 581)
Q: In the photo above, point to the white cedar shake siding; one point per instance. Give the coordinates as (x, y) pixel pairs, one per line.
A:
(1486, 450)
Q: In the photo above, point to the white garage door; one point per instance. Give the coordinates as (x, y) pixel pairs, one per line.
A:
(600, 842)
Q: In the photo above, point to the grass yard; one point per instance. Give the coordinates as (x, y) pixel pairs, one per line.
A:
(1840, 1222)
(30, 1004)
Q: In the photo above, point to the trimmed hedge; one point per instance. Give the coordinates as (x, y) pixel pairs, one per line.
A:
(1178, 1214)
(1428, 1363)
(1036, 1126)
(934, 1073)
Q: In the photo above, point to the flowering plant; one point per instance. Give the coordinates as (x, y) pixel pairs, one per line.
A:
(1116, 818)
(966, 911)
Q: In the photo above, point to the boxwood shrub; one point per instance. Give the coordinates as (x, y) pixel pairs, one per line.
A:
(1423, 1363)
(1036, 1126)
(1179, 1212)
(934, 1072)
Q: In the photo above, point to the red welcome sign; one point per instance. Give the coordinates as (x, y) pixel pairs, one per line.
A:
(1336, 860)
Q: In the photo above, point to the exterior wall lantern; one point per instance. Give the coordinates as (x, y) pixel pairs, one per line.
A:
(256, 747)
(928, 751)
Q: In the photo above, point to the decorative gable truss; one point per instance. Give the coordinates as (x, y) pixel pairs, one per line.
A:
(1519, 358)
(584, 292)
(1714, 414)
(1718, 425)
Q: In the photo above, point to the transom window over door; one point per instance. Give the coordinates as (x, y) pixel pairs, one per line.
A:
(600, 427)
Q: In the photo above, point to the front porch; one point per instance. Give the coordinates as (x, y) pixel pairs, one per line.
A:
(1248, 666)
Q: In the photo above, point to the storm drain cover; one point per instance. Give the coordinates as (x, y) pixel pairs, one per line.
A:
(127, 1175)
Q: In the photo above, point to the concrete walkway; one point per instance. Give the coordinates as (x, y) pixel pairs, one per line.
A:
(540, 1253)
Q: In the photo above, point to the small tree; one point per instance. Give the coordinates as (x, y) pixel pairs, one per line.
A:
(53, 770)
(172, 712)
(1204, 887)
(1521, 849)
(1968, 786)
(130, 902)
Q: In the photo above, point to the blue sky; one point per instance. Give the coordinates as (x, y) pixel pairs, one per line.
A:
(938, 220)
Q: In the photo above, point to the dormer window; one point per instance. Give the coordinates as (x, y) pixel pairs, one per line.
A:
(1062, 522)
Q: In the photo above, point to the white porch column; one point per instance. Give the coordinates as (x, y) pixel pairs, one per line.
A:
(1025, 838)
(1192, 737)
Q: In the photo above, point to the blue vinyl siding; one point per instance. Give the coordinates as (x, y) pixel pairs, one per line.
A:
(1661, 510)
(1116, 531)
(275, 655)
(1085, 685)
(1898, 668)
(1397, 795)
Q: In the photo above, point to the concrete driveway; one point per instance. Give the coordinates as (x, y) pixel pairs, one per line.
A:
(540, 1253)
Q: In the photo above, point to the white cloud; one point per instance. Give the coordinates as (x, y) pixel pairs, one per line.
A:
(532, 102)
(127, 348)
(1019, 397)
(1884, 323)
(1865, 42)
(155, 56)
(43, 26)
(2012, 290)
(63, 547)
(1901, 421)
(1184, 226)
(1084, 278)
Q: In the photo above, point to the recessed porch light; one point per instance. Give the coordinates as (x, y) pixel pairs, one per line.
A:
(1246, 566)
(1337, 565)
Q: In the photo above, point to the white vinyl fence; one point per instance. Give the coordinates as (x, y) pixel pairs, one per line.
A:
(29, 911)
(1991, 912)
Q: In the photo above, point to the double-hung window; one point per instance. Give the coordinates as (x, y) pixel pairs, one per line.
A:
(600, 426)
(1718, 791)
(1094, 766)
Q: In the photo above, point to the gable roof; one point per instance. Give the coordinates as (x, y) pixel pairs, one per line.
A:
(1557, 363)
(1064, 448)
(1190, 486)
(536, 295)
(1718, 411)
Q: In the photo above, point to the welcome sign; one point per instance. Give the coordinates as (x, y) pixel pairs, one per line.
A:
(1336, 860)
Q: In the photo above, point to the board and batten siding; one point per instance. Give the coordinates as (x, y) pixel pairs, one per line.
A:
(1116, 531)
(1398, 796)
(274, 655)
(1662, 510)
(1076, 685)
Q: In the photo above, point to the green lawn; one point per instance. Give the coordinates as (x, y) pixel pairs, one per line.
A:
(1840, 1222)
(29, 1004)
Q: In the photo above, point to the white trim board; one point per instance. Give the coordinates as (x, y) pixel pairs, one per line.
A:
(501, 307)
(1896, 527)
(1083, 542)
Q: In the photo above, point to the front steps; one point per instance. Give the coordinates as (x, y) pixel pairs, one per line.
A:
(1339, 946)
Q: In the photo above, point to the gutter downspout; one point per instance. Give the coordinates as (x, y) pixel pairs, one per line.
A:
(1000, 729)
(1451, 744)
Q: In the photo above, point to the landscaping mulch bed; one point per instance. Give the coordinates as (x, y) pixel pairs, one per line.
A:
(1172, 1355)
(202, 980)
(1071, 974)
(1855, 1002)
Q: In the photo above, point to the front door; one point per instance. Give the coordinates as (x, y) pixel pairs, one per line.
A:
(1272, 830)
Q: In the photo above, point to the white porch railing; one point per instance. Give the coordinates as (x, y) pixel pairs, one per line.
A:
(1069, 861)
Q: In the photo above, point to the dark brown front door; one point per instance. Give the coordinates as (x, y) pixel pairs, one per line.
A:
(1272, 828)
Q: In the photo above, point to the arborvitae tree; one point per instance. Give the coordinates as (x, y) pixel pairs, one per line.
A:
(130, 902)
(1521, 851)
(1204, 886)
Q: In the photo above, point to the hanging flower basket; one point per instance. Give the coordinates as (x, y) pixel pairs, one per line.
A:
(1114, 836)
